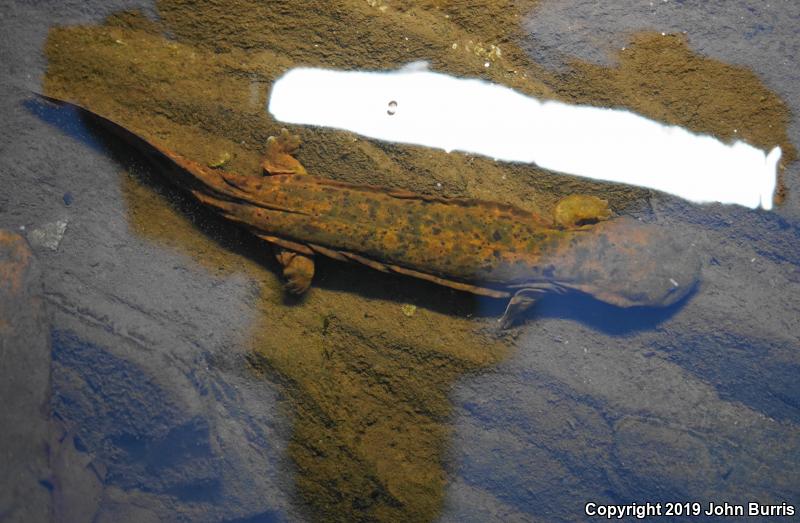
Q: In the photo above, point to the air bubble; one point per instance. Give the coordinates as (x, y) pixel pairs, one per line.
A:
(392, 108)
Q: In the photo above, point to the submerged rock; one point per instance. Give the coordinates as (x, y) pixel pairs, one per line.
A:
(25, 484)
(48, 235)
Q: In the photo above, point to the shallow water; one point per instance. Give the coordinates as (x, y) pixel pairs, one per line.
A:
(156, 370)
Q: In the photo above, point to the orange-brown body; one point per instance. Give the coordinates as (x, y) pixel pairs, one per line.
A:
(478, 246)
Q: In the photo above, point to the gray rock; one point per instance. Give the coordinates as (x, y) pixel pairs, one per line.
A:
(49, 235)
(25, 484)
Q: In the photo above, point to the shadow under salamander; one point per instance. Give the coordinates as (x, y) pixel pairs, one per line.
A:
(603, 317)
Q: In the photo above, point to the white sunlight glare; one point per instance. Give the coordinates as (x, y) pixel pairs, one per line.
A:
(416, 106)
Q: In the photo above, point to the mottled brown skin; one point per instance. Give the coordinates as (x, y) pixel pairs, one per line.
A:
(478, 246)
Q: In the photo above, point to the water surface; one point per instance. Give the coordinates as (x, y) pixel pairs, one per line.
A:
(185, 385)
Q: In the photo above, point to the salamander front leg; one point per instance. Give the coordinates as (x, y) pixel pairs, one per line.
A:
(279, 159)
(298, 269)
(522, 301)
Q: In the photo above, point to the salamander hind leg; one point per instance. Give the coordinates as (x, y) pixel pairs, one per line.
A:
(279, 159)
(580, 209)
(298, 269)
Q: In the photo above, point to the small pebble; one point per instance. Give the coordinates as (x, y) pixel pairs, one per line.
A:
(408, 309)
(68, 198)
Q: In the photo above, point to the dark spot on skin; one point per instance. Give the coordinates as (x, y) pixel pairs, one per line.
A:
(496, 253)
(496, 236)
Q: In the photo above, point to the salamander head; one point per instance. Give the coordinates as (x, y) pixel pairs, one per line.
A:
(627, 263)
